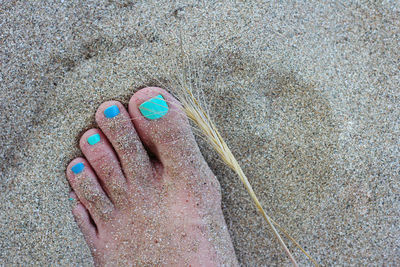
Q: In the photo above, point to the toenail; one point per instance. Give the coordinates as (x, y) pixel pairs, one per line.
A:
(154, 108)
(94, 139)
(78, 168)
(111, 112)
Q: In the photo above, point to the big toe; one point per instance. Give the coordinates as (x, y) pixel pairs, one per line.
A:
(163, 127)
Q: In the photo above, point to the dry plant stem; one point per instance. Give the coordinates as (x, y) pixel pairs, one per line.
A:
(200, 117)
(202, 120)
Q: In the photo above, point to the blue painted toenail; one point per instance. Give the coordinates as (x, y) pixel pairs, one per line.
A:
(94, 139)
(111, 112)
(78, 168)
(154, 108)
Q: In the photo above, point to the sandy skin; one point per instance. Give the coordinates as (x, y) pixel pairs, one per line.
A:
(144, 194)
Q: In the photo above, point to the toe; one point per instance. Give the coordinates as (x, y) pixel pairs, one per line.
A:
(83, 220)
(116, 124)
(101, 156)
(163, 126)
(90, 193)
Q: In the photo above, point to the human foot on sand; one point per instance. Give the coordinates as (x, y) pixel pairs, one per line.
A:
(144, 194)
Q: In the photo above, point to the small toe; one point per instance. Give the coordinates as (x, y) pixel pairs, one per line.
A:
(101, 156)
(116, 124)
(164, 128)
(83, 220)
(84, 182)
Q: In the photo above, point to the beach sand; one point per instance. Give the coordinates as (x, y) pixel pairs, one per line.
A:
(306, 95)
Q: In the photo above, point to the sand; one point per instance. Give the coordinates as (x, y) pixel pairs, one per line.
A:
(306, 95)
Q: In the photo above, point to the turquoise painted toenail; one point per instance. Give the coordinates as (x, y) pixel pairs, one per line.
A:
(94, 139)
(154, 108)
(71, 199)
(78, 168)
(111, 112)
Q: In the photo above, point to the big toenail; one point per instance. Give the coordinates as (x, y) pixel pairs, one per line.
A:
(94, 139)
(154, 108)
(111, 112)
(78, 168)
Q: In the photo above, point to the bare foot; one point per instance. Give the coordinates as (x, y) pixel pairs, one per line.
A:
(138, 207)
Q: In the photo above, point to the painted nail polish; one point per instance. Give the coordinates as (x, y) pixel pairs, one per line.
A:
(78, 168)
(71, 199)
(111, 112)
(94, 139)
(154, 108)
